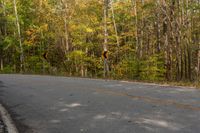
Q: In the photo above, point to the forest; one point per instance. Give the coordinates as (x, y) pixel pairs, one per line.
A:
(146, 40)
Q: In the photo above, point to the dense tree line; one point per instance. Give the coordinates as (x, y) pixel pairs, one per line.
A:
(146, 39)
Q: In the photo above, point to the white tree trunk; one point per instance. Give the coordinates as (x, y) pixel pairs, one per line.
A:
(105, 37)
(105, 25)
(114, 23)
(19, 36)
(66, 26)
(66, 36)
(134, 4)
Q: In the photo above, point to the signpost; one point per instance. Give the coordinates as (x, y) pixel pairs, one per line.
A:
(105, 58)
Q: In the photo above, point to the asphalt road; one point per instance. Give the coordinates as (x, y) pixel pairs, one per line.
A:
(46, 104)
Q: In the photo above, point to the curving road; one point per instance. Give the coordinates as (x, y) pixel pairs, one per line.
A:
(47, 104)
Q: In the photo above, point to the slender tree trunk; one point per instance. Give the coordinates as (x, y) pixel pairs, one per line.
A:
(158, 26)
(166, 35)
(43, 49)
(1, 64)
(198, 64)
(189, 63)
(115, 27)
(106, 71)
(66, 17)
(142, 34)
(182, 65)
(4, 14)
(185, 61)
(105, 24)
(66, 36)
(82, 70)
(19, 36)
(167, 59)
(134, 5)
(178, 42)
(3, 33)
(114, 23)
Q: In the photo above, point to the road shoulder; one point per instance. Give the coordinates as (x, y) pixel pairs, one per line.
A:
(7, 121)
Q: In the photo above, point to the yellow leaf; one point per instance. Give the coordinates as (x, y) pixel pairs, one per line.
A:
(89, 30)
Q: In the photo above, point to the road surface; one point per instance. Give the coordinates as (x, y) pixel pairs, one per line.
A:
(47, 104)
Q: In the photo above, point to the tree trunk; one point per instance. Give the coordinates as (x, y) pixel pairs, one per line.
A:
(3, 32)
(134, 4)
(142, 34)
(105, 25)
(158, 26)
(105, 36)
(114, 23)
(66, 36)
(182, 65)
(185, 61)
(66, 17)
(82, 70)
(1, 64)
(198, 64)
(19, 37)
(4, 14)
(116, 31)
(189, 64)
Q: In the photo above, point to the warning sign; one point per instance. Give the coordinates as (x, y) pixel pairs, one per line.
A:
(45, 55)
(105, 54)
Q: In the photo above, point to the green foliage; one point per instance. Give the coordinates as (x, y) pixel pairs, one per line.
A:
(8, 69)
(155, 40)
(152, 69)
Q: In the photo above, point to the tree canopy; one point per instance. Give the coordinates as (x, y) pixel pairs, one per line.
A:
(155, 40)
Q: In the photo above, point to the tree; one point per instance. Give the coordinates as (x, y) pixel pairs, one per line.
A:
(146, 39)
(19, 36)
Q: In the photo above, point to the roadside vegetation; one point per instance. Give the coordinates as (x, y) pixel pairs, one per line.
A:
(147, 40)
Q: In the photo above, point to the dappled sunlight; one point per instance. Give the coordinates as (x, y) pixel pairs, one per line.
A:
(160, 123)
(99, 117)
(55, 121)
(156, 122)
(64, 110)
(73, 105)
(125, 117)
(112, 116)
(116, 113)
(114, 85)
(185, 90)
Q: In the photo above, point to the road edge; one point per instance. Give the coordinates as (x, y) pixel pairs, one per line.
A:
(7, 120)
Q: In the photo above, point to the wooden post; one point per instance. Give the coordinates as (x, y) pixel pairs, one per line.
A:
(106, 68)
